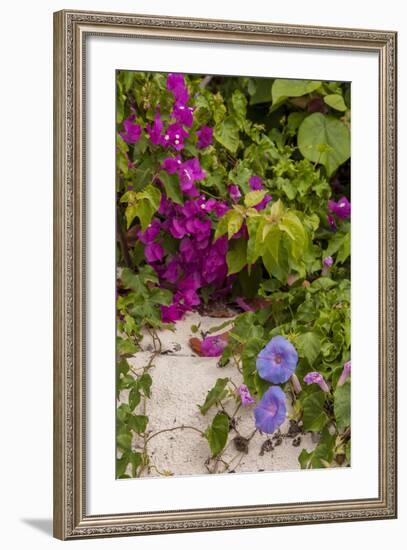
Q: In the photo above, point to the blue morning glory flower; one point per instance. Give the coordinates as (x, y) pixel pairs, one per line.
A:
(277, 361)
(270, 411)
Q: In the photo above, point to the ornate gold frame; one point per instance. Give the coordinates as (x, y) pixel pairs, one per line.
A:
(70, 518)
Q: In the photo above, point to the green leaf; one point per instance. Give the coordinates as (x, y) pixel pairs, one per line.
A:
(227, 134)
(217, 433)
(138, 423)
(124, 440)
(217, 393)
(152, 194)
(144, 383)
(314, 417)
(171, 186)
(222, 226)
(141, 210)
(291, 225)
(135, 460)
(121, 465)
(260, 91)
(335, 101)
(339, 244)
(342, 405)
(134, 398)
(254, 197)
(236, 257)
(322, 455)
(324, 140)
(239, 104)
(240, 175)
(308, 346)
(283, 88)
(235, 221)
(126, 347)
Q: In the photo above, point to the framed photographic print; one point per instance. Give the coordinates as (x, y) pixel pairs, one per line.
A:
(225, 274)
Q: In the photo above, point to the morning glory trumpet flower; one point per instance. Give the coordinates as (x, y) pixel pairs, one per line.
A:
(270, 411)
(277, 361)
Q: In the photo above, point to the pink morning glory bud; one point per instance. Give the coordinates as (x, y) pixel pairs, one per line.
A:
(345, 374)
(296, 383)
(245, 395)
(316, 378)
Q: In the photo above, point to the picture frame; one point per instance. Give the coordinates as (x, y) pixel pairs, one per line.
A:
(72, 519)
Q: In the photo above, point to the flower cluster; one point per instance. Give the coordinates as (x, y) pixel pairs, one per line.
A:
(275, 363)
(340, 209)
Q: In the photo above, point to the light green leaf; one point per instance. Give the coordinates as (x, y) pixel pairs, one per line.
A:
(283, 88)
(323, 454)
(171, 186)
(324, 140)
(152, 194)
(235, 221)
(342, 404)
(335, 101)
(214, 395)
(236, 257)
(138, 423)
(308, 346)
(254, 197)
(227, 134)
(314, 417)
(217, 433)
(124, 440)
(144, 383)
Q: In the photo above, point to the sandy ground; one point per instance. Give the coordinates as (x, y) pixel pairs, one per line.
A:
(181, 381)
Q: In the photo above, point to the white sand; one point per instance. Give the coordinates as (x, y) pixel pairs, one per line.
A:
(181, 381)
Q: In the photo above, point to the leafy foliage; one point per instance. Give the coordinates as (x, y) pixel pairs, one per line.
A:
(223, 188)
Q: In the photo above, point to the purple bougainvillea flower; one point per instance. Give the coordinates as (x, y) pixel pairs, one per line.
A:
(316, 378)
(256, 183)
(270, 411)
(174, 137)
(263, 203)
(340, 208)
(183, 114)
(177, 228)
(150, 234)
(171, 164)
(192, 281)
(220, 208)
(245, 395)
(213, 346)
(155, 130)
(328, 261)
(172, 313)
(234, 192)
(177, 86)
(154, 252)
(132, 132)
(172, 271)
(331, 222)
(187, 250)
(214, 267)
(205, 137)
(189, 172)
(277, 361)
(345, 374)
